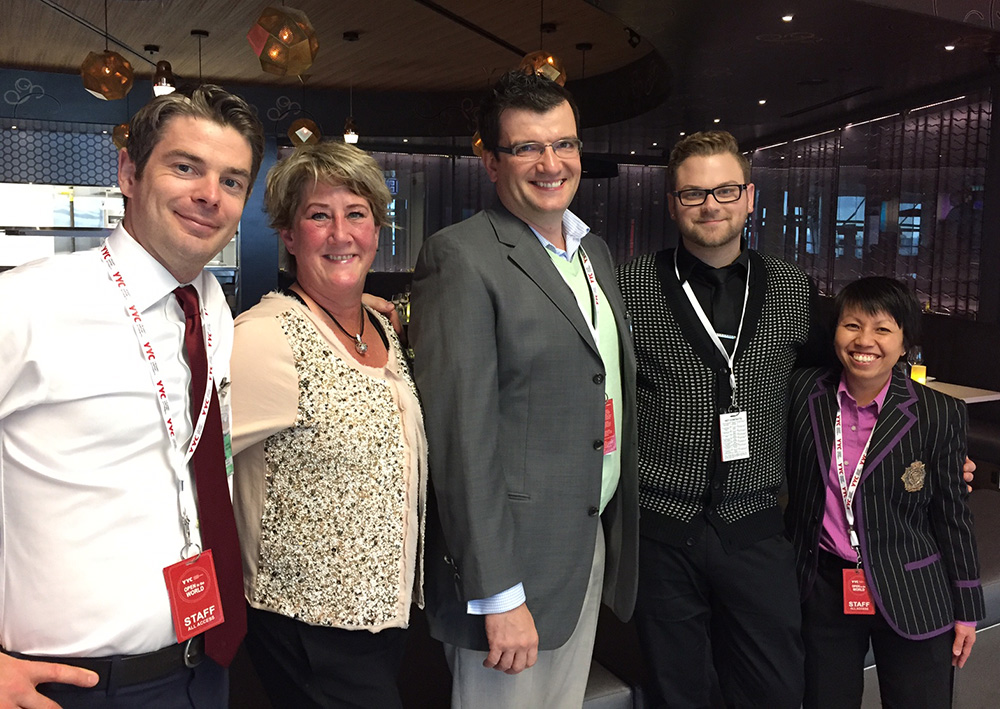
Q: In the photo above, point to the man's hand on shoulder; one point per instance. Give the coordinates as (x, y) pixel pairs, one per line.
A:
(18, 679)
(513, 640)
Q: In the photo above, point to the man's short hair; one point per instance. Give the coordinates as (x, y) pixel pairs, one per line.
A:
(332, 162)
(878, 294)
(206, 101)
(520, 90)
(705, 144)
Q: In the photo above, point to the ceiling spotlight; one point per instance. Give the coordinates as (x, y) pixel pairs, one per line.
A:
(716, 120)
(631, 152)
(406, 140)
(762, 101)
(949, 47)
(633, 37)
(787, 18)
(683, 134)
(655, 143)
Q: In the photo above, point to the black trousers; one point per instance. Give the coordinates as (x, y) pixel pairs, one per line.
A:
(302, 665)
(699, 606)
(912, 674)
(203, 687)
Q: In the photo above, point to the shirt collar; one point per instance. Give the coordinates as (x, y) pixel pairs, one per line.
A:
(574, 229)
(688, 263)
(843, 395)
(148, 281)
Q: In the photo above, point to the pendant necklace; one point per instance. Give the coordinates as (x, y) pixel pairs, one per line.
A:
(359, 345)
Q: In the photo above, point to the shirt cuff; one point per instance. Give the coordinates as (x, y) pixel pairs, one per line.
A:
(500, 603)
(967, 623)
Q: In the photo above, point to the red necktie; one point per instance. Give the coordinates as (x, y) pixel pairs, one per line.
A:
(215, 511)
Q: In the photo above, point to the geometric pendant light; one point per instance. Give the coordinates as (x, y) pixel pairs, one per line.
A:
(284, 40)
(107, 75)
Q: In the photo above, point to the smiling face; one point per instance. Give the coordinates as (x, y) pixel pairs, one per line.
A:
(868, 346)
(536, 191)
(333, 238)
(189, 200)
(711, 231)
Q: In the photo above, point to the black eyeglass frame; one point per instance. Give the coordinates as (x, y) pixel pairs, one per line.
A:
(742, 188)
(512, 150)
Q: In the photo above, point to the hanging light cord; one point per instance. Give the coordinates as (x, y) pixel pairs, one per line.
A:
(97, 30)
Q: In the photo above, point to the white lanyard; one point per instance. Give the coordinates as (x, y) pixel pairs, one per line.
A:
(730, 358)
(848, 489)
(159, 387)
(594, 291)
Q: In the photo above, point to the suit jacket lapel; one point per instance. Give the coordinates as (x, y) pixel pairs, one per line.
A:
(823, 416)
(530, 256)
(895, 419)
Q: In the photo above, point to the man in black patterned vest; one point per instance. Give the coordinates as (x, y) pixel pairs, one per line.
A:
(717, 331)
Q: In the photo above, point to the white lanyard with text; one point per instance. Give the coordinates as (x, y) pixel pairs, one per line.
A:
(132, 313)
(594, 291)
(848, 489)
(730, 358)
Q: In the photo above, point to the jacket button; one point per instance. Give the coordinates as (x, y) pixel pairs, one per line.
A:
(598, 445)
(598, 379)
(592, 511)
(690, 541)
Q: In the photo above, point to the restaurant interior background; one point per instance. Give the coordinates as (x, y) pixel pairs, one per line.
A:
(868, 125)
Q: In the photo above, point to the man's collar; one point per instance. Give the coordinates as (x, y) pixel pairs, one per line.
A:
(574, 229)
(148, 281)
(688, 262)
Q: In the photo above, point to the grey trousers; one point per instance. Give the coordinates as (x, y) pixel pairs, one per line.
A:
(558, 680)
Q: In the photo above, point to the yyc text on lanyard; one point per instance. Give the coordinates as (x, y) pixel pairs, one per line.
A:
(192, 586)
(734, 433)
(610, 439)
(857, 599)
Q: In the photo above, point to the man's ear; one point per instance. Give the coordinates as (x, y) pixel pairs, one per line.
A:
(126, 173)
(490, 162)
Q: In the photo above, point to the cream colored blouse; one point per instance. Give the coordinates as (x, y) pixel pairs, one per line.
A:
(331, 472)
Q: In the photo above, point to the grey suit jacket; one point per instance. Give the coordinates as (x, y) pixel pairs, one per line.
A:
(915, 528)
(512, 386)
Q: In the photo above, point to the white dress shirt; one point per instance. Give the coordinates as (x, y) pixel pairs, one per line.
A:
(88, 487)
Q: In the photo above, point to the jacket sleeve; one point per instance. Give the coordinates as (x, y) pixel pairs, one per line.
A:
(950, 515)
(453, 334)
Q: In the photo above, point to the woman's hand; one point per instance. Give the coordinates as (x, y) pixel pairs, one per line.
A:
(965, 638)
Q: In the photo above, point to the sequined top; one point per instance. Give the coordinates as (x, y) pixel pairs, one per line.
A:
(331, 472)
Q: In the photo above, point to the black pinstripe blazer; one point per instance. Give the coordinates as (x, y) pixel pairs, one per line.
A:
(917, 543)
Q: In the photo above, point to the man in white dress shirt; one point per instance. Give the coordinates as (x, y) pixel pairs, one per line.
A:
(94, 482)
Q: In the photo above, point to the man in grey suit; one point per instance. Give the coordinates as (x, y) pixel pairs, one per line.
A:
(523, 359)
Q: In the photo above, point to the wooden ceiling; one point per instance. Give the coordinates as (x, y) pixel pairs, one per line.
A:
(403, 44)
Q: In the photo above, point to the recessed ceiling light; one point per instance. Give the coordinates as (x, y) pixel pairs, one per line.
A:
(716, 120)
(406, 140)
(13, 127)
(683, 133)
(762, 101)
(631, 152)
(949, 47)
(787, 18)
(655, 144)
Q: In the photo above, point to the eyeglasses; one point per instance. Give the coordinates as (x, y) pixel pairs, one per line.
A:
(565, 148)
(723, 195)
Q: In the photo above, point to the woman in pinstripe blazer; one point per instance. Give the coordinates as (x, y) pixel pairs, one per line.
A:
(877, 513)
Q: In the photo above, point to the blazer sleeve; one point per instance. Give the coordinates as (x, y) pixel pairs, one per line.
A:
(453, 333)
(950, 514)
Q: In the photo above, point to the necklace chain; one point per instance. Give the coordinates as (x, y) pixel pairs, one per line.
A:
(360, 346)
